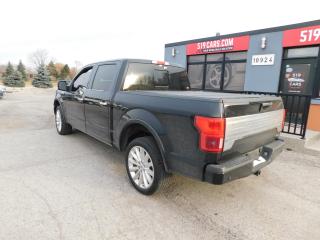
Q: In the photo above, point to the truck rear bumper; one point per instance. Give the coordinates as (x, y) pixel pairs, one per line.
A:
(244, 165)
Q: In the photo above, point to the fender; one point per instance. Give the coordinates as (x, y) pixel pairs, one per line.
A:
(59, 99)
(147, 120)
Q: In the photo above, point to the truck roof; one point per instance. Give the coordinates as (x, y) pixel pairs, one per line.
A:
(124, 60)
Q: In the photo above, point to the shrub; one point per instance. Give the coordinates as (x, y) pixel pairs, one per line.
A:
(14, 80)
(42, 78)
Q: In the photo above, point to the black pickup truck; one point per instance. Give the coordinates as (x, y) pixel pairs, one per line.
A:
(147, 109)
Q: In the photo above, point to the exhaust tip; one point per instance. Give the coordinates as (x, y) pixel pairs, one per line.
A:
(257, 173)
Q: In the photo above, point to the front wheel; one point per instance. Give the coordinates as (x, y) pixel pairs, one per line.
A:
(144, 165)
(63, 128)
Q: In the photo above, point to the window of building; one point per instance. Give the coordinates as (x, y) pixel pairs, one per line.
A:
(236, 56)
(196, 58)
(303, 52)
(234, 76)
(195, 75)
(222, 71)
(213, 76)
(299, 71)
(215, 57)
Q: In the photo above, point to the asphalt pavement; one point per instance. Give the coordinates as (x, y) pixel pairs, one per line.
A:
(74, 187)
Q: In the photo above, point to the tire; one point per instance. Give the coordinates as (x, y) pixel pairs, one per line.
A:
(63, 128)
(144, 165)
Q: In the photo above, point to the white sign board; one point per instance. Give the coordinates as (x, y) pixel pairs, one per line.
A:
(264, 59)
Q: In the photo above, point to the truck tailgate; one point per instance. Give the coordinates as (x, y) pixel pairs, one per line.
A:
(251, 122)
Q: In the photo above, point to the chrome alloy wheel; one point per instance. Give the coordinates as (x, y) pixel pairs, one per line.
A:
(215, 77)
(58, 120)
(140, 167)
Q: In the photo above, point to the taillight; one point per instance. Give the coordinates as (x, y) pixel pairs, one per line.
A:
(284, 118)
(211, 132)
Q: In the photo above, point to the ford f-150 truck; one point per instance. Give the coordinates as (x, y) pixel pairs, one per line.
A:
(147, 110)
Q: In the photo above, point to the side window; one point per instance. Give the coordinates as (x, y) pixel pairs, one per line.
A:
(147, 76)
(139, 77)
(161, 78)
(82, 79)
(105, 77)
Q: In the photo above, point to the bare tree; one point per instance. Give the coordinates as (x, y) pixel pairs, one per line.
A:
(39, 57)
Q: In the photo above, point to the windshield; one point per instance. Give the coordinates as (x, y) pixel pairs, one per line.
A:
(147, 76)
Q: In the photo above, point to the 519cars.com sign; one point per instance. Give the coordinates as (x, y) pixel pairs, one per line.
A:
(301, 36)
(219, 45)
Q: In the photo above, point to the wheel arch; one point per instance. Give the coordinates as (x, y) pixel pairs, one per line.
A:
(56, 103)
(145, 125)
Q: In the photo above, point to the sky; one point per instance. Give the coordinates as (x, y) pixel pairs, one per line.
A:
(90, 31)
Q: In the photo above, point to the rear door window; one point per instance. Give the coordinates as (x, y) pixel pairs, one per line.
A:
(145, 76)
(105, 77)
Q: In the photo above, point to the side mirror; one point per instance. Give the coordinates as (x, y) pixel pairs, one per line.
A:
(63, 85)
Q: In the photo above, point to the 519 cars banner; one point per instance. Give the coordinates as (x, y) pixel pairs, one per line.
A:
(219, 45)
(301, 36)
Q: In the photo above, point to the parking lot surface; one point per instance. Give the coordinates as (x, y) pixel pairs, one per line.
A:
(74, 187)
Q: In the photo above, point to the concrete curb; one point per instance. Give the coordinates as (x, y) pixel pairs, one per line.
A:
(296, 144)
(313, 140)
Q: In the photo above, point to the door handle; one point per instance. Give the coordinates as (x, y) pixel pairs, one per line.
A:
(80, 99)
(103, 103)
(266, 104)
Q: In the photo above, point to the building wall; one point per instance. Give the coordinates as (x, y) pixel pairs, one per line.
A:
(257, 78)
(314, 115)
(261, 78)
(180, 59)
(264, 78)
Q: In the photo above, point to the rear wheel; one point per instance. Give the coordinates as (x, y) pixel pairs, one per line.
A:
(144, 165)
(63, 128)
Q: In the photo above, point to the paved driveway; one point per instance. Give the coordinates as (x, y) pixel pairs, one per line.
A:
(73, 187)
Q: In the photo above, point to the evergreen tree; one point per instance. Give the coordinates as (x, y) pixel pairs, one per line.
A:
(65, 71)
(9, 70)
(42, 78)
(52, 70)
(22, 69)
(14, 80)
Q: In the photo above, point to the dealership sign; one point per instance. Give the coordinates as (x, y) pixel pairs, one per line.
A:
(301, 36)
(219, 45)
